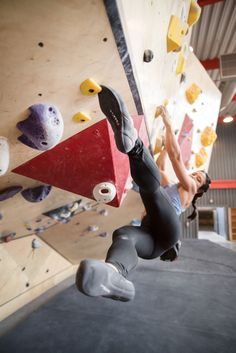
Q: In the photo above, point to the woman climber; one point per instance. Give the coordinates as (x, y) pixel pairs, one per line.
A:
(159, 232)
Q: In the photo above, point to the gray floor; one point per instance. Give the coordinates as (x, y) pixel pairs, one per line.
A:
(181, 307)
(218, 239)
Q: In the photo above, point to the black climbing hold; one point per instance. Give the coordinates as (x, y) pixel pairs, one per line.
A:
(182, 78)
(148, 55)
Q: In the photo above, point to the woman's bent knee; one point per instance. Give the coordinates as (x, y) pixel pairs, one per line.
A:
(121, 233)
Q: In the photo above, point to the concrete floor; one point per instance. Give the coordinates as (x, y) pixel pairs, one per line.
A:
(25, 311)
(216, 238)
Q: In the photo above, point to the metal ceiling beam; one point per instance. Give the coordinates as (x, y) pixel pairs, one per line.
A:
(207, 2)
(211, 64)
(223, 184)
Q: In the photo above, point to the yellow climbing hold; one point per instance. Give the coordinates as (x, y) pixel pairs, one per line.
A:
(180, 67)
(159, 145)
(201, 157)
(159, 109)
(176, 33)
(81, 117)
(89, 87)
(208, 136)
(192, 93)
(166, 102)
(194, 13)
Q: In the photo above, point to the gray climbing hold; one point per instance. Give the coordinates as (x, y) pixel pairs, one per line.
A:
(39, 230)
(43, 128)
(148, 55)
(9, 192)
(104, 235)
(63, 214)
(36, 194)
(103, 212)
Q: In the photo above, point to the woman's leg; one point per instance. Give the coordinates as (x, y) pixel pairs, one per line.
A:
(128, 244)
(144, 170)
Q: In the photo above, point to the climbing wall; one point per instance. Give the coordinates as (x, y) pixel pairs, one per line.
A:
(165, 68)
(194, 120)
(47, 50)
(146, 25)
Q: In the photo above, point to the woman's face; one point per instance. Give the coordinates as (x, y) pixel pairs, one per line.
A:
(199, 178)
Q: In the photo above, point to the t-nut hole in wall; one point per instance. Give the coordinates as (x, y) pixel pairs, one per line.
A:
(104, 191)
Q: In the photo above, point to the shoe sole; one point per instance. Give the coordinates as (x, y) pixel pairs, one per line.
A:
(94, 279)
(116, 113)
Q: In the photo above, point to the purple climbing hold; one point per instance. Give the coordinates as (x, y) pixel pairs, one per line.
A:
(43, 128)
(9, 192)
(37, 194)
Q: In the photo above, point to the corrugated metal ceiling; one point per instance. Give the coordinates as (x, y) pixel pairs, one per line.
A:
(214, 35)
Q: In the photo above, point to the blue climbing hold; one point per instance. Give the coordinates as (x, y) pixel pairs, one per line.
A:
(9, 192)
(36, 194)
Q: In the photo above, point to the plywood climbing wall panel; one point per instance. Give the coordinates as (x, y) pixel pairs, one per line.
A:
(22, 268)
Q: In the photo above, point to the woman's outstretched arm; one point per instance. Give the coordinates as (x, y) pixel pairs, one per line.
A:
(161, 163)
(173, 150)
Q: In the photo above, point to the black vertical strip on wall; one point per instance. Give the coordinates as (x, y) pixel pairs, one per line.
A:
(116, 26)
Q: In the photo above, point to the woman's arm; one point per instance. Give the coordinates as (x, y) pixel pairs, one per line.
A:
(161, 163)
(173, 150)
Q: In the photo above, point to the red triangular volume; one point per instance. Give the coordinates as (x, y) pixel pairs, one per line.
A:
(84, 160)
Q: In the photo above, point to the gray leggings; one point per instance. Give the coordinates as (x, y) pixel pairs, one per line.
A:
(160, 228)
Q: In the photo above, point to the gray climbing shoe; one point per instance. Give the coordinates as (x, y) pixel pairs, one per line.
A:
(114, 108)
(96, 278)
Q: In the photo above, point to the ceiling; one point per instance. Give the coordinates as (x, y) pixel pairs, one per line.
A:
(214, 35)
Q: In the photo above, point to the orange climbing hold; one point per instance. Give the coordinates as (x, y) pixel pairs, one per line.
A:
(192, 93)
(201, 157)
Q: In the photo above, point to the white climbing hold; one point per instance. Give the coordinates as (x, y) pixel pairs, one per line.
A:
(36, 244)
(104, 192)
(4, 155)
